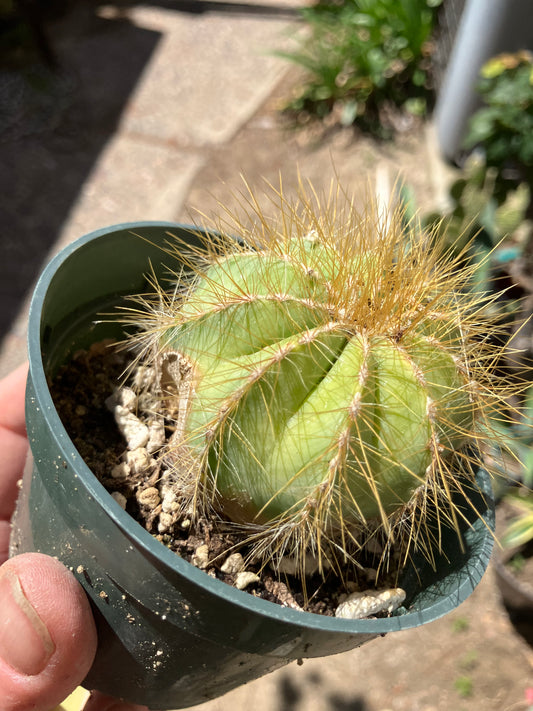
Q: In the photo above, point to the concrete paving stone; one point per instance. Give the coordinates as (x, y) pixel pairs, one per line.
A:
(208, 74)
(197, 78)
(133, 179)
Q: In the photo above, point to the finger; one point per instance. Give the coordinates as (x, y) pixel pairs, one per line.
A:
(47, 633)
(12, 389)
(5, 532)
(101, 702)
(13, 442)
(13, 453)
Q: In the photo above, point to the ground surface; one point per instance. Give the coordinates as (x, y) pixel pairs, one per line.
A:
(125, 138)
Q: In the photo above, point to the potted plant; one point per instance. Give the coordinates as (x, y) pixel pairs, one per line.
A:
(514, 563)
(171, 635)
(513, 560)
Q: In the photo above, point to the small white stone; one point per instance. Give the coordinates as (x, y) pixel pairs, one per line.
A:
(125, 397)
(234, 563)
(291, 565)
(139, 460)
(245, 578)
(120, 471)
(120, 499)
(156, 437)
(169, 505)
(148, 497)
(200, 557)
(166, 520)
(133, 430)
(144, 377)
(363, 604)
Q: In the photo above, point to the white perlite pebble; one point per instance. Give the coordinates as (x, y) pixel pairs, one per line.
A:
(120, 471)
(359, 605)
(133, 430)
(148, 497)
(143, 377)
(200, 557)
(166, 521)
(245, 578)
(138, 460)
(234, 563)
(120, 499)
(291, 566)
(124, 397)
(156, 438)
(170, 505)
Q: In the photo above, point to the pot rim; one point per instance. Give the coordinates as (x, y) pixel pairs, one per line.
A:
(156, 549)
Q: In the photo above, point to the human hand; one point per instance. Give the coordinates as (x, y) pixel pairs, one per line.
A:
(47, 632)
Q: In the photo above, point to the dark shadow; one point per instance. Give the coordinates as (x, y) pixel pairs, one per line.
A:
(512, 571)
(292, 697)
(523, 625)
(289, 694)
(54, 122)
(65, 78)
(343, 703)
(201, 7)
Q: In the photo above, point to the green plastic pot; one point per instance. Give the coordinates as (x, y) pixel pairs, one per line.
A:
(170, 636)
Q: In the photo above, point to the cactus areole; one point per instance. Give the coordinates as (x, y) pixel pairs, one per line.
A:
(327, 377)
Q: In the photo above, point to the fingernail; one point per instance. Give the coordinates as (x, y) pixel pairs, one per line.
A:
(25, 643)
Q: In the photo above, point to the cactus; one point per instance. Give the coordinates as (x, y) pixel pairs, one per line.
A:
(327, 376)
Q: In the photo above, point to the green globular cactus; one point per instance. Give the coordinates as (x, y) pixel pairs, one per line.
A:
(327, 377)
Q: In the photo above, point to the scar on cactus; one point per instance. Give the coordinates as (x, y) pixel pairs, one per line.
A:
(329, 378)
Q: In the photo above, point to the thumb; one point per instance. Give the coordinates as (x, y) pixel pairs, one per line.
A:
(47, 633)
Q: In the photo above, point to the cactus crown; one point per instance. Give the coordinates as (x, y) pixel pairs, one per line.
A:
(327, 376)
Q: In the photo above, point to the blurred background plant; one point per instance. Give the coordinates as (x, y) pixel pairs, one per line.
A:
(498, 190)
(520, 530)
(490, 205)
(503, 127)
(485, 222)
(366, 61)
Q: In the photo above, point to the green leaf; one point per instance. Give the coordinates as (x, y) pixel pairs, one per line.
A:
(520, 531)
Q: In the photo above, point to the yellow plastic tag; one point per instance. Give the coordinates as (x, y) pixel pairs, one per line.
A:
(75, 701)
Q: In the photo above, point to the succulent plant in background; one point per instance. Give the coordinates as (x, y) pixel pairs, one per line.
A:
(364, 59)
(329, 379)
(503, 127)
